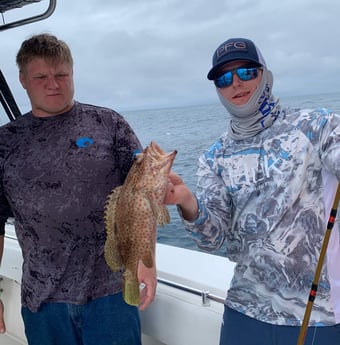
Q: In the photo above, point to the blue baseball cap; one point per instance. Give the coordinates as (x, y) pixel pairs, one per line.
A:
(235, 49)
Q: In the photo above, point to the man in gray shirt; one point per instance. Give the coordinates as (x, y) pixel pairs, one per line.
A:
(58, 163)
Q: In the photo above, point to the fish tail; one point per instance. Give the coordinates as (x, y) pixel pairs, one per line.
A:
(131, 292)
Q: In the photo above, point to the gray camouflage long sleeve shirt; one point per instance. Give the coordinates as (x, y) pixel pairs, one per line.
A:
(263, 198)
(55, 176)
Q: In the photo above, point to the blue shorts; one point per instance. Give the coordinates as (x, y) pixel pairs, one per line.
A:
(106, 320)
(239, 329)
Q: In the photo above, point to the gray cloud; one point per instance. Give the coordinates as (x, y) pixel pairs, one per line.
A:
(135, 54)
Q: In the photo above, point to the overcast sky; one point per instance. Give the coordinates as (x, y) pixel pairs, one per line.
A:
(137, 54)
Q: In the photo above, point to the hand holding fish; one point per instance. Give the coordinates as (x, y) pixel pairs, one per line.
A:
(179, 194)
(148, 278)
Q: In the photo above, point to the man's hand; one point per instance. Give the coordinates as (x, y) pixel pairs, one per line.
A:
(176, 190)
(2, 321)
(148, 277)
(179, 194)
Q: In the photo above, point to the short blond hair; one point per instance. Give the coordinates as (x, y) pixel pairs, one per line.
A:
(44, 46)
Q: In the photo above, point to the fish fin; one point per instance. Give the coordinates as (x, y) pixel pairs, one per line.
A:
(160, 211)
(112, 253)
(111, 248)
(110, 208)
(163, 216)
(131, 291)
(148, 259)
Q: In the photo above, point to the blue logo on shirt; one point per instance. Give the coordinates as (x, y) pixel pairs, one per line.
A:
(84, 142)
(135, 153)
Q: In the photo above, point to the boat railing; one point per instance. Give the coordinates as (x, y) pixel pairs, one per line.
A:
(206, 296)
(12, 4)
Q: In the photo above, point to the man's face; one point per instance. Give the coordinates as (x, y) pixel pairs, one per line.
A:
(239, 92)
(49, 87)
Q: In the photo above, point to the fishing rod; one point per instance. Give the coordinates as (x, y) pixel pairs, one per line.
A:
(314, 288)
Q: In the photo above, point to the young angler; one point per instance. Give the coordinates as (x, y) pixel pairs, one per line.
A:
(265, 189)
(58, 164)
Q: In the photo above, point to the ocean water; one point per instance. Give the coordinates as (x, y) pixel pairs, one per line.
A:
(190, 130)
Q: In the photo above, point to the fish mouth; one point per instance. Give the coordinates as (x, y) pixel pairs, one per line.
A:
(160, 158)
(157, 152)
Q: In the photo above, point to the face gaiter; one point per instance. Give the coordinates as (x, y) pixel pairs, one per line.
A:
(258, 113)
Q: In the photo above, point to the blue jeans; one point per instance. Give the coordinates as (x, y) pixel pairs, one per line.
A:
(239, 329)
(103, 321)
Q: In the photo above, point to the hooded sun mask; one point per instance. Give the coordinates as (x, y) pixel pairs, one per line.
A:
(262, 109)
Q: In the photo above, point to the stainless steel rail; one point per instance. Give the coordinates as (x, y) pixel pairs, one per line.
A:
(11, 237)
(7, 5)
(205, 295)
(46, 14)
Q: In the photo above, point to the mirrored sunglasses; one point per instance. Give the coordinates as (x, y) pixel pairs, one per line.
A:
(244, 73)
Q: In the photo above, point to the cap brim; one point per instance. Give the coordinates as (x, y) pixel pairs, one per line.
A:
(213, 72)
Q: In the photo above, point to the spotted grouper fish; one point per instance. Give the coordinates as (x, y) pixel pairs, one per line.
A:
(132, 213)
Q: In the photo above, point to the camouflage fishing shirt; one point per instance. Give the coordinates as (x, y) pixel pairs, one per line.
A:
(267, 200)
(56, 173)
